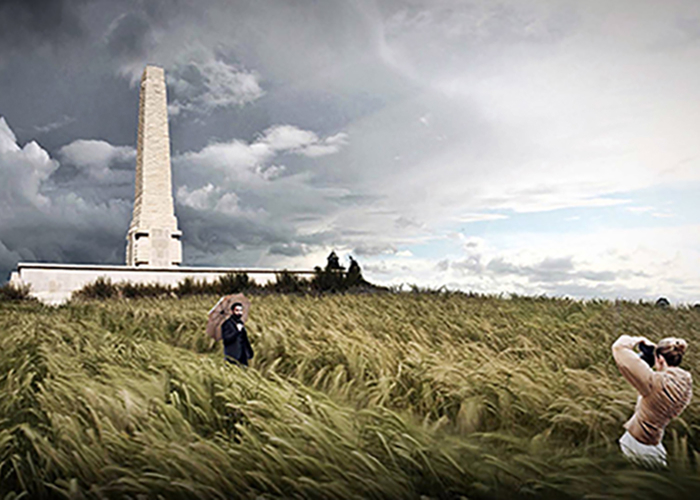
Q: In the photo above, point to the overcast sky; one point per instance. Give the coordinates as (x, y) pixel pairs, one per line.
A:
(531, 147)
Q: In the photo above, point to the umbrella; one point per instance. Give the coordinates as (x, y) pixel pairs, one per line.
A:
(222, 311)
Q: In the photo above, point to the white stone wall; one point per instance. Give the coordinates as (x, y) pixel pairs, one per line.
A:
(54, 283)
(153, 238)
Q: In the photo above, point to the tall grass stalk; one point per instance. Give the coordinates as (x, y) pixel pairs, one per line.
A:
(435, 395)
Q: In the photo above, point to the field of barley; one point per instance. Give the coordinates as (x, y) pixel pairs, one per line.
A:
(387, 395)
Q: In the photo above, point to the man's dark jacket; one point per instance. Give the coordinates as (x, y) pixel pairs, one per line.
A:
(236, 343)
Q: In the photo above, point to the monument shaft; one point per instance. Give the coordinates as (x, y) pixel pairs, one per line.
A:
(153, 238)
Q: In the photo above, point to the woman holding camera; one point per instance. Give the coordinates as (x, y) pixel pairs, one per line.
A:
(664, 392)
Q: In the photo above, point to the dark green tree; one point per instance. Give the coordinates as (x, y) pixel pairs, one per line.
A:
(333, 263)
(354, 275)
(330, 279)
(234, 283)
(286, 282)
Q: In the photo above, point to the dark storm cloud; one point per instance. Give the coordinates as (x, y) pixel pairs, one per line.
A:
(129, 36)
(210, 238)
(49, 238)
(49, 218)
(83, 233)
(288, 249)
(162, 10)
(361, 125)
(214, 233)
(29, 23)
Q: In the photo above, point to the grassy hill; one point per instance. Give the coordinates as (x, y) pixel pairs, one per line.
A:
(413, 395)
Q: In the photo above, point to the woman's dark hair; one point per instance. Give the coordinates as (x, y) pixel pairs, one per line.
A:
(648, 353)
(672, 349)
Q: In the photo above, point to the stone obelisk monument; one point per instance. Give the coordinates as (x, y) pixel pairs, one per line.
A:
(153, 250)
(153, 238)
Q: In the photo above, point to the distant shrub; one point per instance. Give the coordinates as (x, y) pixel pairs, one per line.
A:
(286, 282)
(354, 277)
(234, 283)
(13, 293)
(663, 303)
(327, 280)
(102, 288)
(130, 290)
(335, 279)
(331, 278)
(190, 286)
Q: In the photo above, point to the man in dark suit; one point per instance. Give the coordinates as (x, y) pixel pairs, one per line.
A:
(233, 333)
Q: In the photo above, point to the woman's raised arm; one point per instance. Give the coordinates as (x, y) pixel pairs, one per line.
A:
(631, 366)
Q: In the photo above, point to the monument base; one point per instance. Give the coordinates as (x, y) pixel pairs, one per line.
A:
(54, 283)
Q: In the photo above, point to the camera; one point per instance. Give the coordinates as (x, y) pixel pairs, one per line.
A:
(647, 353)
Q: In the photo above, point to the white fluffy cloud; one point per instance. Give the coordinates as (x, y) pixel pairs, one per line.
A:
(65, 120)
(251, 162)
(42, 220)
(236, 159)
(629, 264)
(477, 217)
(213, 199)
(228, 204)
(199, 199)
(22, 172)
(95, 157)
(237, 202)
(303, 142)
(206, 83)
